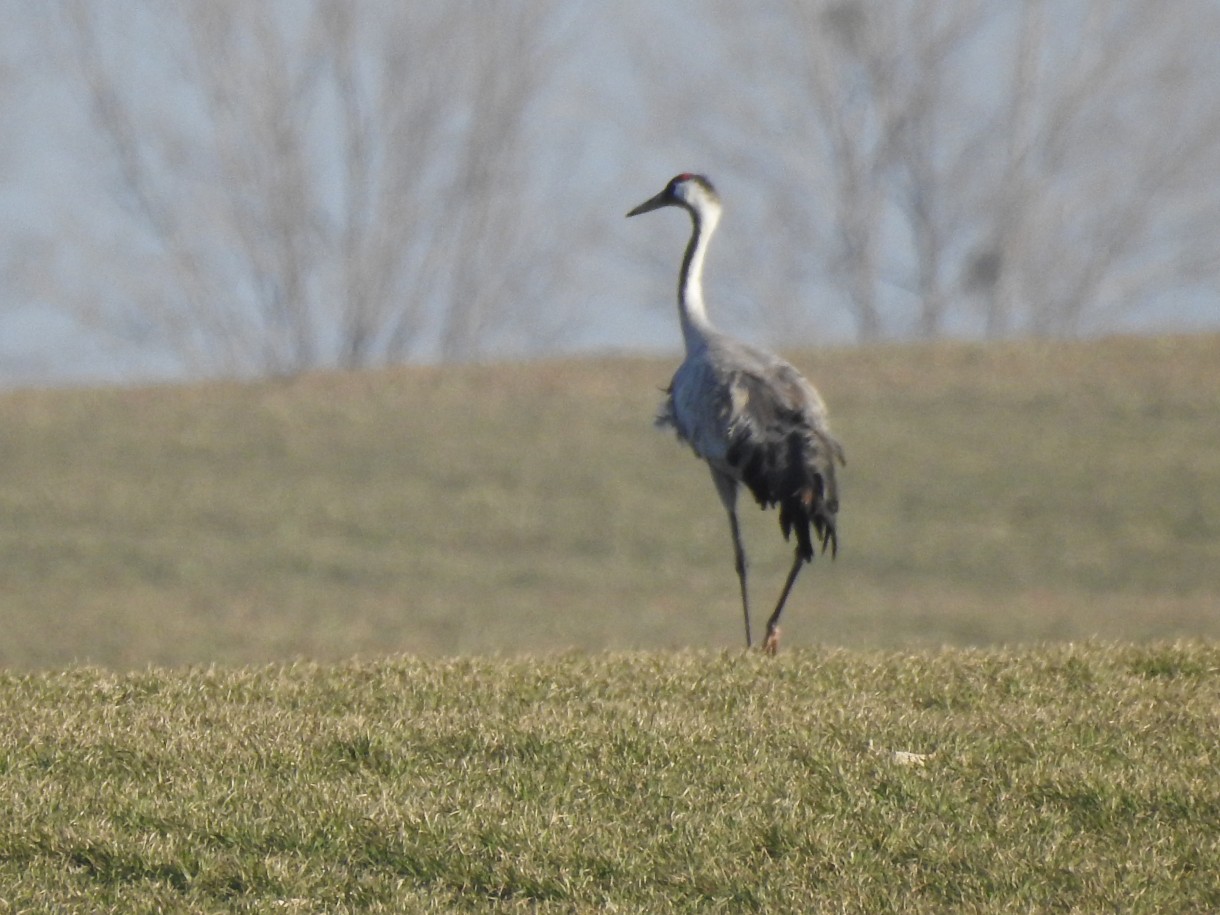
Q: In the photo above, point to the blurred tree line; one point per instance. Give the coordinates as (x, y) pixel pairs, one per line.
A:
(333, 183)
(310, 178)
(1000, 168)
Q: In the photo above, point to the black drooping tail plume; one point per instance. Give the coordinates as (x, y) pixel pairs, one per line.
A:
(785, 462)
(793, 469)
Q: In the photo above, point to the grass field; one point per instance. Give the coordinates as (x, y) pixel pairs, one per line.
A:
(1075, 778)
(453, 549)
(994, 493)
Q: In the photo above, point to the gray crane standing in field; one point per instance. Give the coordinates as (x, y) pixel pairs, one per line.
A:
(749, 414)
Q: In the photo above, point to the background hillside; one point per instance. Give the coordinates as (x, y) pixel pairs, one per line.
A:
(1011, 492)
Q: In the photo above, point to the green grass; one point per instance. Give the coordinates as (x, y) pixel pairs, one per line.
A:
(1026, 493)
(994, 493)
(1072, 778)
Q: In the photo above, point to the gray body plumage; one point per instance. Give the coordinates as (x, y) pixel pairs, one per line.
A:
(750, 415)
(756, 420)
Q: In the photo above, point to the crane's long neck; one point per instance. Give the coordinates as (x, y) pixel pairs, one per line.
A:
(691, 310)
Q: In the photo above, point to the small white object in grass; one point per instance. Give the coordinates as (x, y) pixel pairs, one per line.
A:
(902, 757)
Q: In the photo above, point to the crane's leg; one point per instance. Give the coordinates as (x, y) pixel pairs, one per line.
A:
(771, 643)
(739, 561)
(726, 486)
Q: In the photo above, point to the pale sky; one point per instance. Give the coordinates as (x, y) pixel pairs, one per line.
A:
(606, 112)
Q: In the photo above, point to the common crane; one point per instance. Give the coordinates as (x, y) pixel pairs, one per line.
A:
(749, 414)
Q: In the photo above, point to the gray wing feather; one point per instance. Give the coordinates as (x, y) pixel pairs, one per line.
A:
(754, 417)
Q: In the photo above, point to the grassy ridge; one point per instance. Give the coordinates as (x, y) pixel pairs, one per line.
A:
(1072, 778)
(1022, 492)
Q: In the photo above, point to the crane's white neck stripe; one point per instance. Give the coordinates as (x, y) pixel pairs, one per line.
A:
(691, 309)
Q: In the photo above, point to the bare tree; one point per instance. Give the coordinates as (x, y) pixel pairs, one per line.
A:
(976, 165)
(848, 108)
(1097, 196)
(313, 184)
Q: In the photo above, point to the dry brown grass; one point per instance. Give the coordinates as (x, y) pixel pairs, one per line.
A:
(1017, 492)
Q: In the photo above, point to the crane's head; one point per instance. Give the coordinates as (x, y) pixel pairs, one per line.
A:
(693, 193)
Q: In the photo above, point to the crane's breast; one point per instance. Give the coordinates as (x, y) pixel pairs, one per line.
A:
(699, 408)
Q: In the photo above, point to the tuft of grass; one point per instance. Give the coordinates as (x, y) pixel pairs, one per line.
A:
(994, 494)
(1067, 778)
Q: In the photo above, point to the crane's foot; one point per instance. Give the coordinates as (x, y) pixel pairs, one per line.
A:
(771, 643)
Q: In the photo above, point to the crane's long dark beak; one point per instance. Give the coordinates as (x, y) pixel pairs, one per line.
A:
(655, 203)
